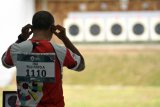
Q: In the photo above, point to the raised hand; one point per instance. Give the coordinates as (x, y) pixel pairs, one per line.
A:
(59, 31)
(26, 32)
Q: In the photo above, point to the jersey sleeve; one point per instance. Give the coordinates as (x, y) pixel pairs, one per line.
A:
(67, 57)
(71, 60)
(9, 57)
(6, 59)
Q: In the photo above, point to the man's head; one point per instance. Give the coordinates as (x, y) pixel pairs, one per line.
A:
(42, 20)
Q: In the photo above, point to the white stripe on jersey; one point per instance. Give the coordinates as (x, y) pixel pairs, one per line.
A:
(61, 54)
(23, 47)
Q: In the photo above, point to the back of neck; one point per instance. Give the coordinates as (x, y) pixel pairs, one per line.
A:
(41, 35)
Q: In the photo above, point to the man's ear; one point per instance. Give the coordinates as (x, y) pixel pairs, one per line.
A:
(52, 28)
(31, 27)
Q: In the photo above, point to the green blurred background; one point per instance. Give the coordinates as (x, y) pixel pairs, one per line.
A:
(115, 76)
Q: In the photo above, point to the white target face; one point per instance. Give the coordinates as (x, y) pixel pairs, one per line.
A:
(116, 29)
(94, 30)
(74, 29)
(155, 29)
(138, 29)
(9, 98)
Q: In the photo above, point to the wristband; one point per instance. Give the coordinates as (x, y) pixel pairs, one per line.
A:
(20, 39)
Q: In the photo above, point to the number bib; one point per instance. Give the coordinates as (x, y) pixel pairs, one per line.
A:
(38, 67)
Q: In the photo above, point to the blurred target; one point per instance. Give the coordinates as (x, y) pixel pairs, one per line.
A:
(138, 29)
(116, 29)
(9, 98)
(94, 30)
(74, 29)
(155, 29)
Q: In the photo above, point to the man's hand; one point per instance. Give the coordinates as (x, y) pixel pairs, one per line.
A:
(59, 31)
(25, 32)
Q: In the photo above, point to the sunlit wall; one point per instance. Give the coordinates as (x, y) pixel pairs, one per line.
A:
(14, 14)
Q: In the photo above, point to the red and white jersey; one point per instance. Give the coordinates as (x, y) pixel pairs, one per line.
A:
(37, 63)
